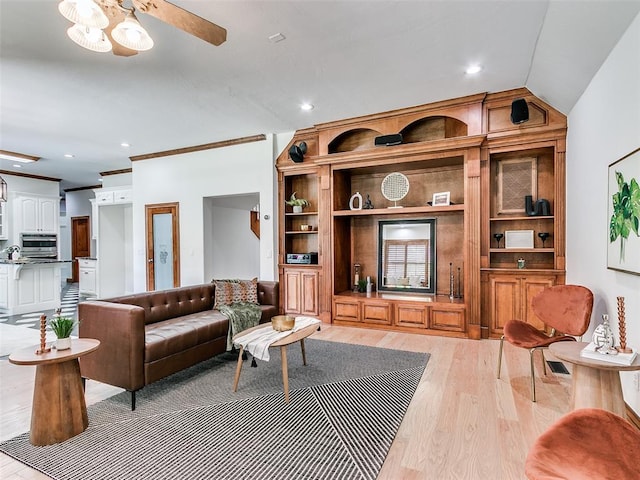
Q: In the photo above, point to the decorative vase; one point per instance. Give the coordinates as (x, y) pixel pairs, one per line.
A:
(297, 209)
(63, 343)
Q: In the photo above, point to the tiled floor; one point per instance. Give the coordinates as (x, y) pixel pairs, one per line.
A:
(68, 305)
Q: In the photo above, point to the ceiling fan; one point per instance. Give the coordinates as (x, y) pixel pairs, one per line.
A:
(109, 25)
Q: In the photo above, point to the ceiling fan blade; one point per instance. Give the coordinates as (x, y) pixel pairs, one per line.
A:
(183, 19)
(115, 16)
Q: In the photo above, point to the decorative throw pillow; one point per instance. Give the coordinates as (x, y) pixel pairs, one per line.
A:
(234, 291)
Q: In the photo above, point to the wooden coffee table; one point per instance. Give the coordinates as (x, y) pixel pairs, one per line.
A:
(59, 411)
(596, 384)
(293, 337)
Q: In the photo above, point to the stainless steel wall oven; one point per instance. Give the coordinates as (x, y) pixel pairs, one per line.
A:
(39, 245)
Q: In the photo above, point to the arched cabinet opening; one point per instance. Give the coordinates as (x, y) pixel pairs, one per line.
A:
(351, 140)
(433, 128)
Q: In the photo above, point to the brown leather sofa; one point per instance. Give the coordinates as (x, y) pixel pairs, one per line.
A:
(147, 336)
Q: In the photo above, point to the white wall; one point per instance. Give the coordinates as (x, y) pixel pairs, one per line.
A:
(604, 126)
(235, 249)
(77, 205)
(191, 177)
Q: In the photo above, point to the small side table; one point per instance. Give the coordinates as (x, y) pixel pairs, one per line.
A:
(596, 384)
(59, 411)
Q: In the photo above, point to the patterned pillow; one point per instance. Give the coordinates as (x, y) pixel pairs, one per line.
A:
(233, 291)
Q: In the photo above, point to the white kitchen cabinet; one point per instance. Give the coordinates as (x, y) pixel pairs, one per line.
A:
(87, 272)
(30, 287)
(113, 196)
(36, 214)
(4, 286)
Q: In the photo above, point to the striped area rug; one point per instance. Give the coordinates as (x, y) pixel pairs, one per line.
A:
(330, 430)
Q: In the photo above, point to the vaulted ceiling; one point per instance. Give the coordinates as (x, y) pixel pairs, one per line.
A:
(347, 58)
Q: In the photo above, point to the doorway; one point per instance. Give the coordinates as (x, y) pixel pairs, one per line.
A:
(80, 243)
(163, 246)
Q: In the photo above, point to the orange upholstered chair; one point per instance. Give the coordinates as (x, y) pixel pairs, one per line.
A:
(564, 308)
(586, 444)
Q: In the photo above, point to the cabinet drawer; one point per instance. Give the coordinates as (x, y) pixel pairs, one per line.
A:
(376, 313)
(87, 280)
(86, 263)
(123, 196)
(346, 311)
(447, 319)
(411, 316)
(104, 197)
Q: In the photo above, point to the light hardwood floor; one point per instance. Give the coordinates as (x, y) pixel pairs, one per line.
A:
(462, 423)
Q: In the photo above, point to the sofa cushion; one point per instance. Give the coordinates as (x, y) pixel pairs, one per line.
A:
(175, 335)
(234, 291)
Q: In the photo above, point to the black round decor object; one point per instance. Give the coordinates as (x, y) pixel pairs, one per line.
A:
(296, 152)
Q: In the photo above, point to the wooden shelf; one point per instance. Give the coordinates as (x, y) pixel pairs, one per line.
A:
(301, 232)
(303, 214)
(521, 250)
(398, 211)
(503, 219)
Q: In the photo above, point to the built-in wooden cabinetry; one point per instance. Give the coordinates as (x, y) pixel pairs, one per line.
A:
(466, 147)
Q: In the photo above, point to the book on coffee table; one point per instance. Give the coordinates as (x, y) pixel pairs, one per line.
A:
(620, 358)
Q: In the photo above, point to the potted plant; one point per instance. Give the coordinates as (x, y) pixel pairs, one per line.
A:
(297, 203)
(62, 327)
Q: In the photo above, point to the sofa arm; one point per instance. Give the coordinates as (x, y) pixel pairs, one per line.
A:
(119, 360)
(268, 294)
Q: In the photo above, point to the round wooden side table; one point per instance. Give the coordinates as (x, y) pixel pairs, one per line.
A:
(59, 411)
(596, 384)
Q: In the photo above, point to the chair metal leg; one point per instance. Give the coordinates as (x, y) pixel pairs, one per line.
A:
(533, 378)
(500, 355)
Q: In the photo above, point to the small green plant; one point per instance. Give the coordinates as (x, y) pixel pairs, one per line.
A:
(296, 202)
(62, 326)
(626, 212)
(362, 286)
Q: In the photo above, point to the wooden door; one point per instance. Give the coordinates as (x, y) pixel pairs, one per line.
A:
(292, 293)
(309, 293)
(163, 246)
(80, 243)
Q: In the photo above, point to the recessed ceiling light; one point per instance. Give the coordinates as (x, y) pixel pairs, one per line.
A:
(306, 107)
(99, 179)
(17, 166)
(125, 144)
(68, 155)
(472, 69)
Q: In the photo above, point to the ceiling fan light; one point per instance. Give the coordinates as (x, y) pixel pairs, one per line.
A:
(130, 34)
(84, 12)
(90, 38)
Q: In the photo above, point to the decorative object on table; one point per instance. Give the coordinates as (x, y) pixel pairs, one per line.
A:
(498, 237)
(356, 276)
(62, 327)
(603, 337)
(619, 358)
(395, 187)
(362, 286)
(367, 204)
(518, 239)
(369, 286)
(521, 263)
(283, 323)
(459, 294)
(305, 227)
(297, 203)
(352, 201)
(451, 281)
(296, 152)
(541, 208)
(543, 236)
(622, 327)
(43, 336)
(13, 252)
(441, 198)
(623, 251)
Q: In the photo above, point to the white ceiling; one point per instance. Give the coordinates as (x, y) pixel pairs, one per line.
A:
(348, 58)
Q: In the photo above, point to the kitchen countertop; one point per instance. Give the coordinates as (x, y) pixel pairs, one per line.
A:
(31, 261)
